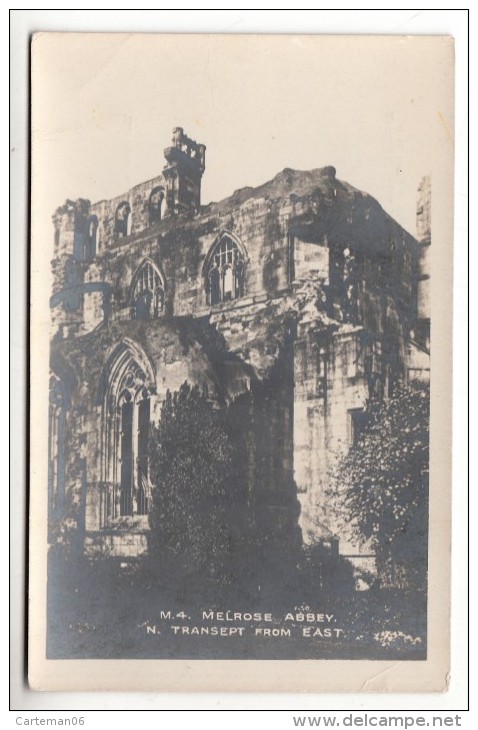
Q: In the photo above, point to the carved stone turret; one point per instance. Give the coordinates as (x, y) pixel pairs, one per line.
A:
(183, 172)
(424, 240)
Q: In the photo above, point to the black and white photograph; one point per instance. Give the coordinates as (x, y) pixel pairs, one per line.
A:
(240, 277)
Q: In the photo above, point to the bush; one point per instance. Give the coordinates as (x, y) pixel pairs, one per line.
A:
(380, 487)
(190, 466)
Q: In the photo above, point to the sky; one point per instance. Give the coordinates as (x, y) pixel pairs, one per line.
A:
(104, 105)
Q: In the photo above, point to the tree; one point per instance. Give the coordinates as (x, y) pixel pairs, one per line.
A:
(190, 466)
(379, 488)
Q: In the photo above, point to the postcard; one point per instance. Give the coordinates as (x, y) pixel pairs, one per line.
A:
(240, 426)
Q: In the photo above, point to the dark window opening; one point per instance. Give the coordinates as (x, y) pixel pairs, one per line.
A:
(126, 484)
(123, 220)
(357, 423)
(142, 473)
(134, 434)
(155, 205)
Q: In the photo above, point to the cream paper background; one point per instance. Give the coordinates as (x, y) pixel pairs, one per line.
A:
(384, 106)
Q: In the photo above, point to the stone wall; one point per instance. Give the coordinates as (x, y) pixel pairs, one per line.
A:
(138, 200)
(330, 386)
(329, 301)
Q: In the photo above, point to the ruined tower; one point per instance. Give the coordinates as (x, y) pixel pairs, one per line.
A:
(185, 164)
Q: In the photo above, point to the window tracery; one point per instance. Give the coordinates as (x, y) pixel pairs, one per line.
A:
(126, 422)
(225, 271)
(147, 299)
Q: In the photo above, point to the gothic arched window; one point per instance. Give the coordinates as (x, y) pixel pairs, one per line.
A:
(147, 298)
(123, 220)
(155, 205)
(225, 271)
(91, 233)
(126, 394)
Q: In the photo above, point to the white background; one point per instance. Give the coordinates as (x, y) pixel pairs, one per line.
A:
(265, 707)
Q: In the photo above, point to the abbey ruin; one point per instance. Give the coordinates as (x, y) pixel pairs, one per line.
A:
(302, 291)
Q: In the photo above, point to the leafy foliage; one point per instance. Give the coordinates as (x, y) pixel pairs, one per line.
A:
(380, 487)
(190, 464)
